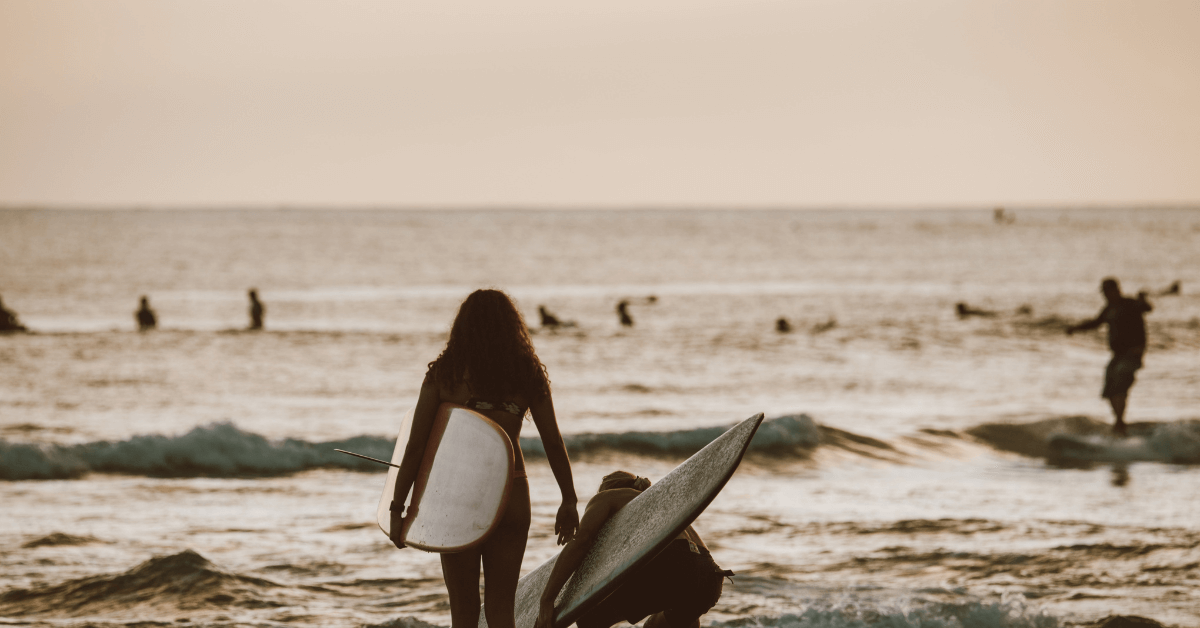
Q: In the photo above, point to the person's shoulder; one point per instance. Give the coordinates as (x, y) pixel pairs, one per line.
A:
(615, 497)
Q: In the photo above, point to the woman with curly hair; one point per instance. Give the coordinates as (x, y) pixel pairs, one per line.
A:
(489, 365)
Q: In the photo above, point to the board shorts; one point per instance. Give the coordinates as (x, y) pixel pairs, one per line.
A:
(683, 582)
(1118, 376)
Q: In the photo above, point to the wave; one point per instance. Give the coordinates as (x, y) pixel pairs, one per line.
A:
(779, 435)
(974, 614)
(224, 450)
(1084, 439)
(1004, 614)
(183, 581)
(55, 539)
(215, 450)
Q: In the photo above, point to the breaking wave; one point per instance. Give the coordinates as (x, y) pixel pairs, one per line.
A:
(184, 581)
(218, 450)
(1083, 439)
(224, 450)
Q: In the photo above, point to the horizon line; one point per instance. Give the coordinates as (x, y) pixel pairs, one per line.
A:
(631, 207)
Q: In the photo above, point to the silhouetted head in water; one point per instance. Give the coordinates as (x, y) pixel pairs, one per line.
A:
(1111, 289)
(623, 313)
(624, 479)
(145, 316)
(489, 345)
(783, 326)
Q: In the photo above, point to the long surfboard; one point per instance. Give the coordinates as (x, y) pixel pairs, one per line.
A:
(638, 531)
(462, 484)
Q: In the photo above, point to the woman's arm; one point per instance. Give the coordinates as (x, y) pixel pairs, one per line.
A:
(423, 416)
(567, 520)
(597, 512)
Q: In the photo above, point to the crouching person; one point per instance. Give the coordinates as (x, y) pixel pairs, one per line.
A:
(674, 589)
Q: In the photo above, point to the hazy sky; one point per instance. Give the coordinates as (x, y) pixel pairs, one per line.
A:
(616, 102)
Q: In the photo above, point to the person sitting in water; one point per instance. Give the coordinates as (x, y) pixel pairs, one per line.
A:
(548, 319)
(963, 310)
(675, 588)
(145, 316)
(8, 320)
(1126, 339)
(623, 314)
(782, 325)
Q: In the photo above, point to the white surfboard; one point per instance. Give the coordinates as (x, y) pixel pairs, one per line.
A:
(638, 531)
(462, 483)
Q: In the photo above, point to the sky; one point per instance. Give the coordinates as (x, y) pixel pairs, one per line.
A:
(619, 103)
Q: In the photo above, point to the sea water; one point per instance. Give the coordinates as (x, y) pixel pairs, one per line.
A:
(903, 476)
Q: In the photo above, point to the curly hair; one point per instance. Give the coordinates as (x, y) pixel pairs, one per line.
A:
(490, 350)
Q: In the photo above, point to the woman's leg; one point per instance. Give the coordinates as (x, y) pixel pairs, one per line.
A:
(502, 554)
(461, 573)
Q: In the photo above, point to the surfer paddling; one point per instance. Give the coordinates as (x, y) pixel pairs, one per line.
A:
(489, 365)
(1126, 338)
(675, 589)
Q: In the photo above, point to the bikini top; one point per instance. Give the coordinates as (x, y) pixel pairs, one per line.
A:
(476, 403)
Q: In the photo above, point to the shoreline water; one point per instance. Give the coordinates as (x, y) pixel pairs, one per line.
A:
(909, 483)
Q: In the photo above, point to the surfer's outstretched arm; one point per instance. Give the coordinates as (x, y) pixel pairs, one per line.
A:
(423, 416)
(567, 520)
(1088, 325)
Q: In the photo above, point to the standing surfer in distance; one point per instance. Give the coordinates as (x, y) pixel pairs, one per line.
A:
(489, 365)
(145, 316)
(256, 310)
(675, 588)
(1126, 338)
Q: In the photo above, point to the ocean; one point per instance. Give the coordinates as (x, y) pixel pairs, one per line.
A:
(903, 477)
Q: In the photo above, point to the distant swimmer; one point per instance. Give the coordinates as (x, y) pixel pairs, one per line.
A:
(623, 313)
(1126, 339)
(145, 316)
(8, 320)
(821, 328)
(1172, 290)
(548, 319)
(965, 311)
(1001, 217)
(674, 589)
(782, 325)
(256, 310)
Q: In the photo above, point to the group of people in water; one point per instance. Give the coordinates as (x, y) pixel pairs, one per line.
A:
(489, 365)
(145, 316)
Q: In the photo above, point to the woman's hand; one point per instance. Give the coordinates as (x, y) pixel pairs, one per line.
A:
(567, 522)
(397, 526)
